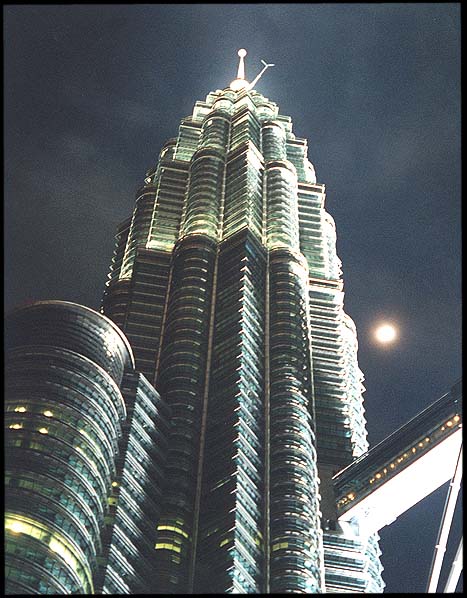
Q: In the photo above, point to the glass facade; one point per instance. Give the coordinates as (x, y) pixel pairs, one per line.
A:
(84, 453)
(127, 558)
(227, 284)
(225, 294)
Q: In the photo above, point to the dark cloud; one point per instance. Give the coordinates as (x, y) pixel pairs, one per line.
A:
(93, 91)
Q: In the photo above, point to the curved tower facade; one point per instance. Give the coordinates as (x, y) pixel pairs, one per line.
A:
(64, 365)
(76, 455)
(227, 284)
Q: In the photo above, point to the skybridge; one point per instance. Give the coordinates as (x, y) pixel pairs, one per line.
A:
(404, 468)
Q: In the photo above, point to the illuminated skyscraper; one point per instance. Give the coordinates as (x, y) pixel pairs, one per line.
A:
(227, 284)
(212, 437)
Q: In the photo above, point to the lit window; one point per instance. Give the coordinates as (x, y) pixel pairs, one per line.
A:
(164, 546)
(173, 529)
(15, 526)
(56, 544)
(20, 409)
(48, 413)
(280, 545)
(16, 426)
(43, 431)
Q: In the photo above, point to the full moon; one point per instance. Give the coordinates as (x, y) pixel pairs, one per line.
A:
(385, 334)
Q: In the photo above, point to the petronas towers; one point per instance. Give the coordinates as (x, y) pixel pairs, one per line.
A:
(227, 284)
(202, 456)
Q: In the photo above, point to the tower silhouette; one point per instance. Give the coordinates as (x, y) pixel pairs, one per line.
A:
(227, 284)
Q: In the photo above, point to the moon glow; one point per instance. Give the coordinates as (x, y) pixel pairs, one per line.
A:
(385, 334)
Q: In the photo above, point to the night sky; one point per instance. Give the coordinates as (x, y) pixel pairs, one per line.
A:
(93, 91)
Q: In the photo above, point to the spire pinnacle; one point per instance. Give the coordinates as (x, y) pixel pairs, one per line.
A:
(241, 65)
(240, 82)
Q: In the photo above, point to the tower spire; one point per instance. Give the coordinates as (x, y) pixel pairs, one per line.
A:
(241, 64)
(240, 82)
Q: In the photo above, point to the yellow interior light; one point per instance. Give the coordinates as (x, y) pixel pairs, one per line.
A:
(20, 409)
(456, 418)
(16, 426)
(57, 544)
(172, 528)
(43, 431)
(280, 545)
(48, 413)
(163, 546)
(15, 526)
(449, 423)
(66, 554)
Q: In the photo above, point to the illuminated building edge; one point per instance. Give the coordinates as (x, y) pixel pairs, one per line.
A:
(404, 468)
(227, 284)
(84, 452)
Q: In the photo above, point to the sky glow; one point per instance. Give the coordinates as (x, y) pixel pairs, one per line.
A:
(92, 92)
(386, 334)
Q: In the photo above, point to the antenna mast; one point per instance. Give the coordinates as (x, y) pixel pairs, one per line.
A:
(240, 82)
(257, 78)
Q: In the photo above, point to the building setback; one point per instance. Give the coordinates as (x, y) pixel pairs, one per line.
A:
(227, 284)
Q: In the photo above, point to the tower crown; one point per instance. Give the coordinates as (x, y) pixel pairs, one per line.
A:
(240, 82)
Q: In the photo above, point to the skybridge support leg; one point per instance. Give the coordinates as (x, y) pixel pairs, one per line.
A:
(445, 526)
(455, 572)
